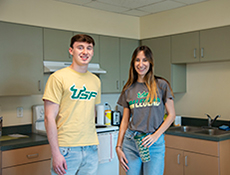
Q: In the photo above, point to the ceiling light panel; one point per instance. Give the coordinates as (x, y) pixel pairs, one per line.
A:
(130, 3)
(77, 2)
(136, 13)
(158, 7)
(190, 1)
(108, 7)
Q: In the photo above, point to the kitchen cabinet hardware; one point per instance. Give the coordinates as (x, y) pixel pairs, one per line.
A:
(39, 85)
(186, 160)
(118, 86)
(194, 53)
(178, 159)
(30, 156)
(202, 52)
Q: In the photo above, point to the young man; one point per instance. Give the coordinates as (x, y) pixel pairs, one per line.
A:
(69, 100)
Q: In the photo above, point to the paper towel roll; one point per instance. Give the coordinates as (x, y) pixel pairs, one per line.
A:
(100, 115)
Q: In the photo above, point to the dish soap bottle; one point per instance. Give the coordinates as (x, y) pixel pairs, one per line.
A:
(107, 114)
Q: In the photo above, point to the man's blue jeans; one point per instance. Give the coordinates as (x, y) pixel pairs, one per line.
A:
(136, 167)
(81, 160)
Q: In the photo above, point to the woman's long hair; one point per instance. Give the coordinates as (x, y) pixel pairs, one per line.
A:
(149, 78)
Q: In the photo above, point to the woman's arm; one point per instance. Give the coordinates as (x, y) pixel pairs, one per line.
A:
(150, 139)
(122, 130)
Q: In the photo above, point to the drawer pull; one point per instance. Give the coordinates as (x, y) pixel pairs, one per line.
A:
(31, 156)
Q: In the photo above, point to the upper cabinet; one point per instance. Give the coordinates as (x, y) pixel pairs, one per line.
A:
(127, 47)
(20, 60)
(109, 60)
(56, 45)
(201, 46)
(185, 48)
(174, 73)
(115, 57)
(96, 49)
(214, 44)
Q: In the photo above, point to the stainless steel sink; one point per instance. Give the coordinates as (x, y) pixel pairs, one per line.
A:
(199, 130)
(185, 128)
(212, 132)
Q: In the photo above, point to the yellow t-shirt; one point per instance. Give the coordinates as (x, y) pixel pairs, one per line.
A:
(76, 93)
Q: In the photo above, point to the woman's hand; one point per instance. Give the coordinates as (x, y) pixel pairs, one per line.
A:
(149, 140)
(122, 159)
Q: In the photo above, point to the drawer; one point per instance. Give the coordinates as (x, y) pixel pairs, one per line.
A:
(192, 145)
(25, 155)
(37, 168)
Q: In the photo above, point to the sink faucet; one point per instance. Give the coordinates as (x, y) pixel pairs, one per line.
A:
(210, 121)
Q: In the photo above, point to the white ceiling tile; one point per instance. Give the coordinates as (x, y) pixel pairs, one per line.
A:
(162, 6)
(77, 2)
(130, 3)
(136, 13)
(107, 7)
(190, 1)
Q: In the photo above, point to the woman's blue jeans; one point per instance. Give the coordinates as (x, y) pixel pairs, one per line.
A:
(136, 167)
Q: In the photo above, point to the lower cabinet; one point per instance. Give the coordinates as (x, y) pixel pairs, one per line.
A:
(26, 161)
(189, 156)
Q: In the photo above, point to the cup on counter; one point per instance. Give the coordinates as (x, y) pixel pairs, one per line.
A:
(143, 151)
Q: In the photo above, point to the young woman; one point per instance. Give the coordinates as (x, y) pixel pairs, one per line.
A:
(144, 98)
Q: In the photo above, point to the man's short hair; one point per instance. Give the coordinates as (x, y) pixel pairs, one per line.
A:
(82, 38)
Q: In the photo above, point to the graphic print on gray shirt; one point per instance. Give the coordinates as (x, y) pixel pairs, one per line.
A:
(145, 117)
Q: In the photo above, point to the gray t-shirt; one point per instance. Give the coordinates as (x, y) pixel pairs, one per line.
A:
(145, 117)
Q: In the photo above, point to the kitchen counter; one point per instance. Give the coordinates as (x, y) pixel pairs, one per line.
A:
(216, 138)
(32, 140)
(38, 139)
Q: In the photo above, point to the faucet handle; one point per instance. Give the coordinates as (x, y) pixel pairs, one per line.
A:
(208, 116)
(218, 116)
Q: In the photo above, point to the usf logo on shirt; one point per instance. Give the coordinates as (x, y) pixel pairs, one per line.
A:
(141, 101)
(82, 94)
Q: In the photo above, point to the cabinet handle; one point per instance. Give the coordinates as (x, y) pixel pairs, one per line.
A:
(202, 52)
(194, 53)
(118, 85)
(30, 156)
(39, 85)
(178, 159)
(186, 160)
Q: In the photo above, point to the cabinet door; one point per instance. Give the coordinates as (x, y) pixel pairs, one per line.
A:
(127, 46)
(174, 160)
(175, 74)
(21, 60)
(95, 37)
(161, 53)
(109, 60)
(215, 44)
(185, 48)
(56, 45)
(200, 164)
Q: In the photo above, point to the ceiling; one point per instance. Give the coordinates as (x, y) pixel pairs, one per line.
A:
(134, 7)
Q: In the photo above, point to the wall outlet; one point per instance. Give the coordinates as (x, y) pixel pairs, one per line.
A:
(20, 112)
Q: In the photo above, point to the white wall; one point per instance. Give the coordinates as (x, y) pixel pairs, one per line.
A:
(209, 14)
(55, 14)
(207, 91)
